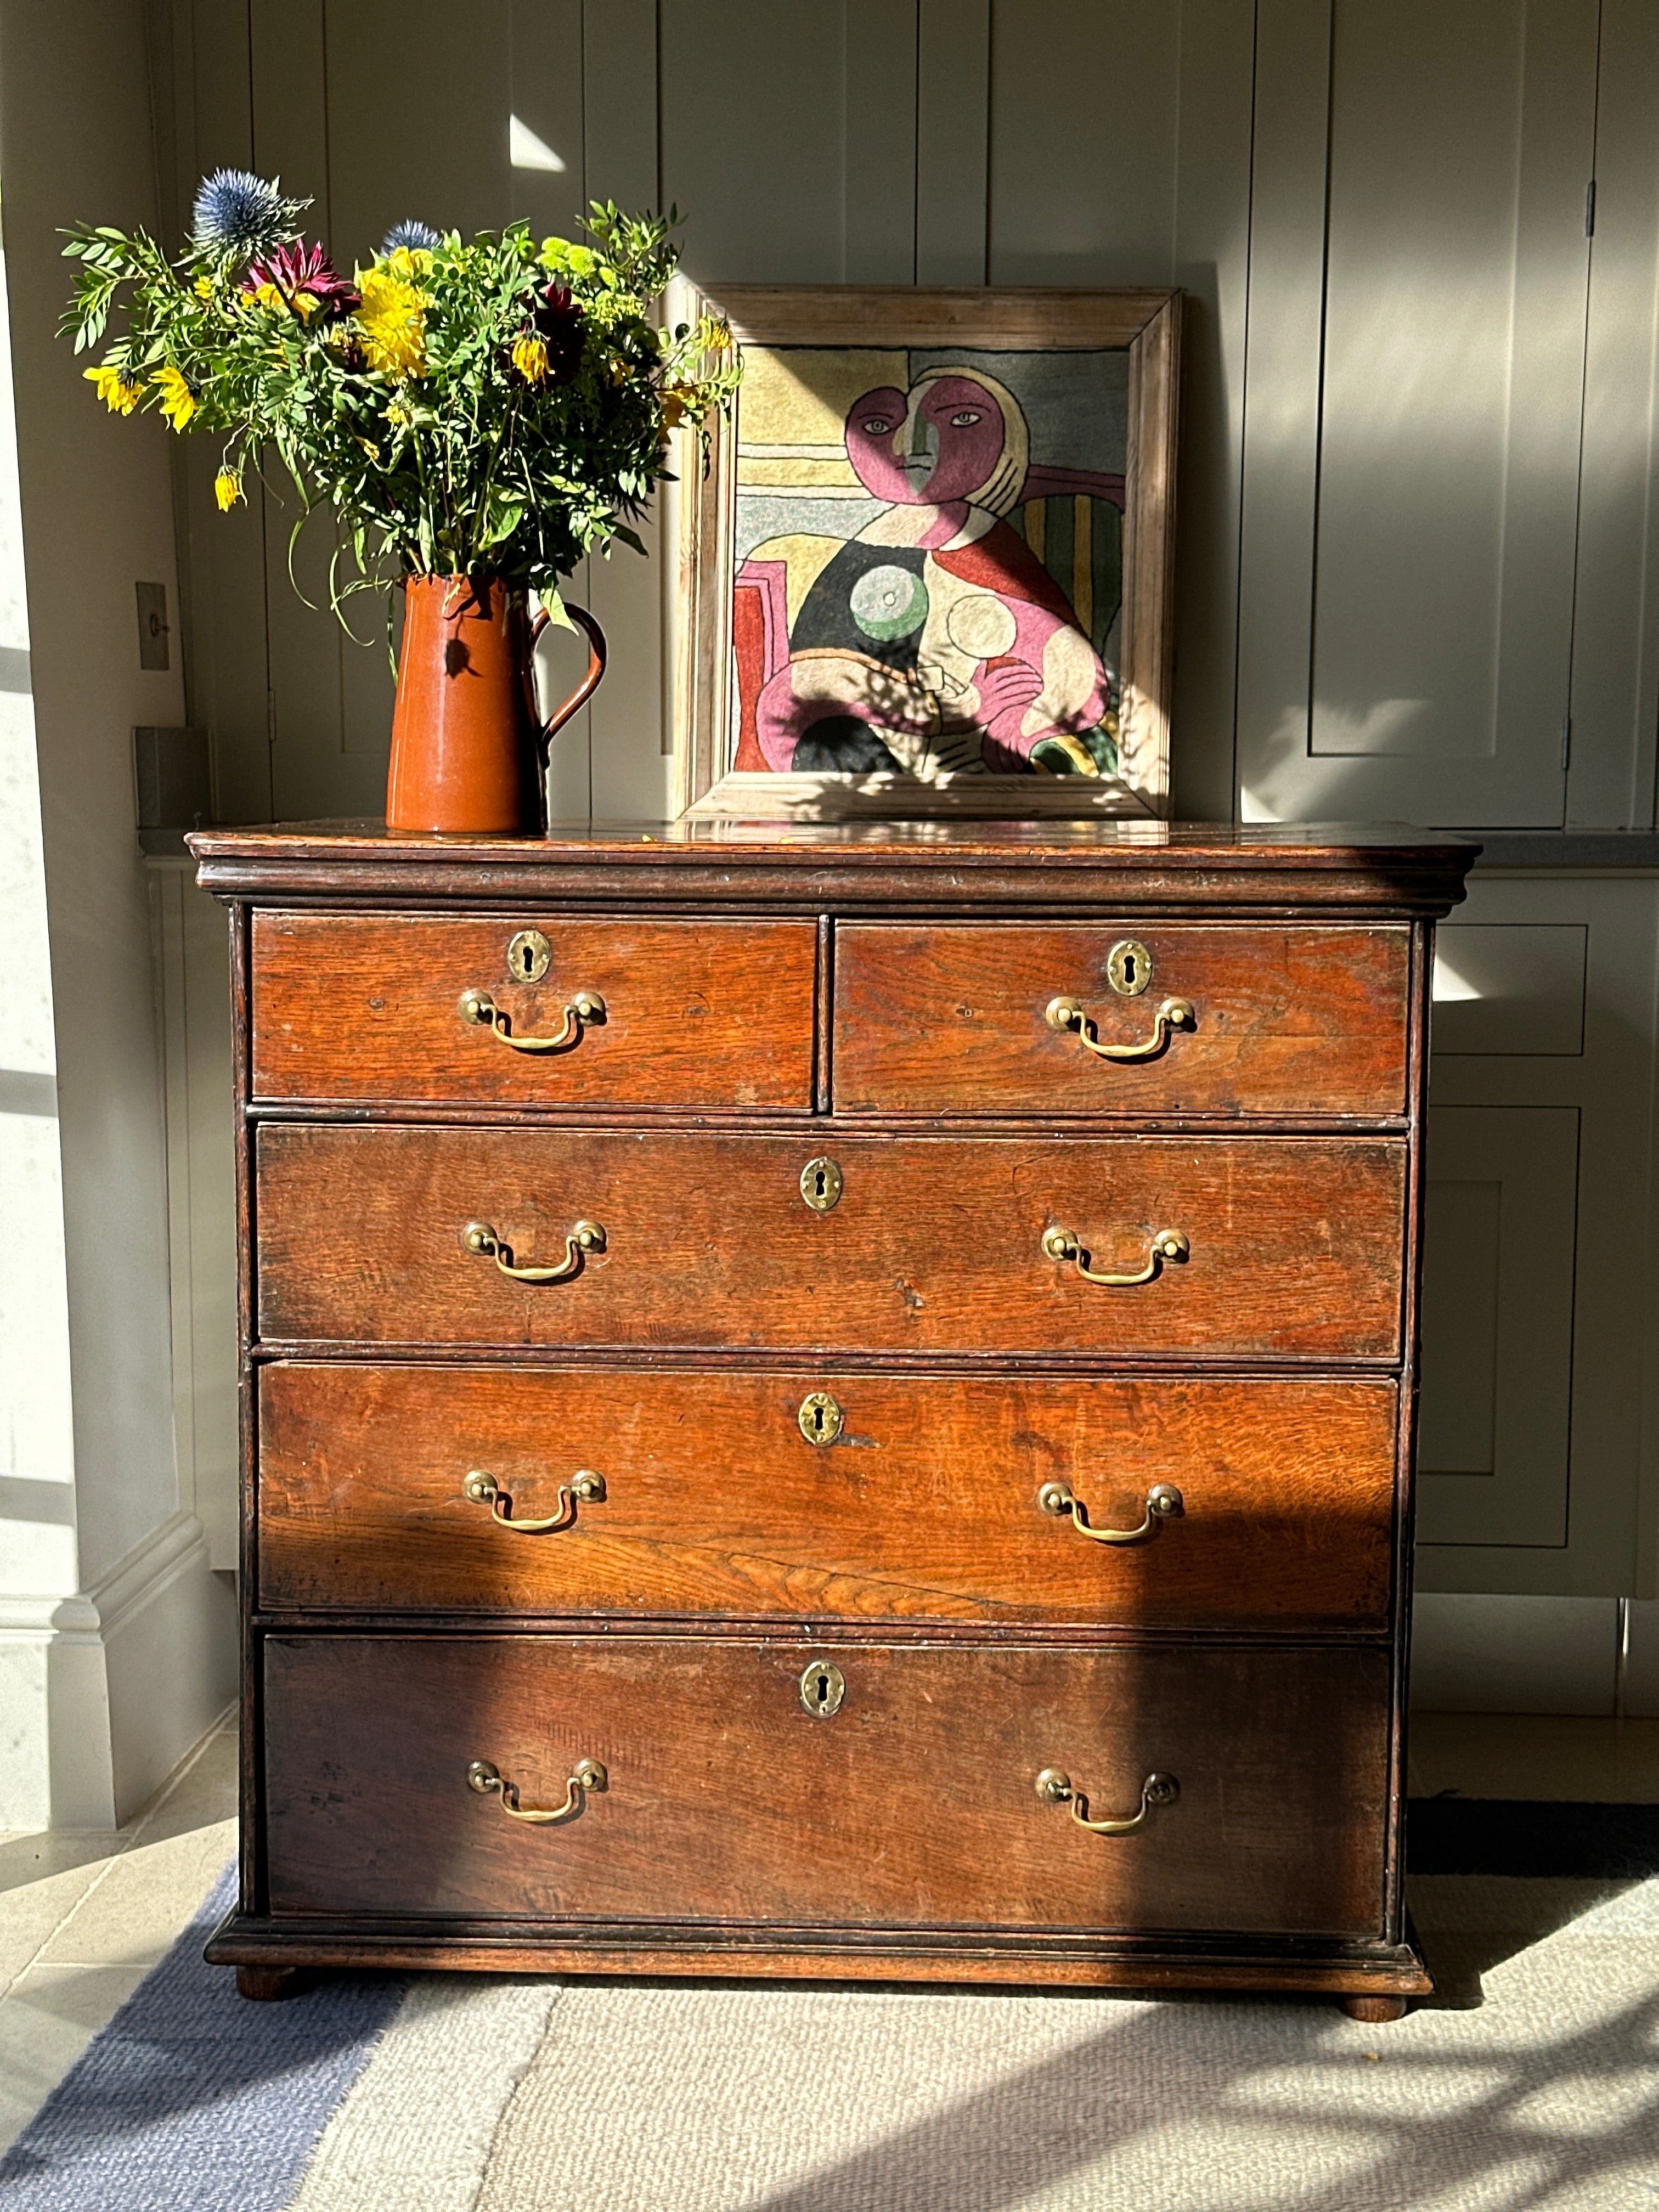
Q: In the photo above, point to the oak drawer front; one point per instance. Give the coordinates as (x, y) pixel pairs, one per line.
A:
(695, 1013)
(916, 1804)
(700, 1495)
(1293, 1245)
(1286, 1021)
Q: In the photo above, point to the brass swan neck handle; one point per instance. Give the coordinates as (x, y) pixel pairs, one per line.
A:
(1163, 1501)
(1054, 1786)
(1167, 1244)
(587, 1774)
(482, 1489)
(479, 1237)
(1174, 1014)
(583, 1007)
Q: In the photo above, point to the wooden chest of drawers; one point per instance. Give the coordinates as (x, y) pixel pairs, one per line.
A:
(830, 1403)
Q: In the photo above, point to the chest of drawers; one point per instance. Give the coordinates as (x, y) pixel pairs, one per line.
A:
(830, 1401)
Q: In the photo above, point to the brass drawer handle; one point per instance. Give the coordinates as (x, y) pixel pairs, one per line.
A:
(1168, 1244)
(1163, 1500)
(587, 1237)
(1174, 1014)
(1054, 1786)
(587, 1774)
(478, 1007)
(483, 1490)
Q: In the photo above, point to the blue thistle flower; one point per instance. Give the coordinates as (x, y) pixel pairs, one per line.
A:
(238, 215)
(413, 237)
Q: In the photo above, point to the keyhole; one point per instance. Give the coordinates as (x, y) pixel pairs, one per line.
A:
(820, 1183)
(817, 1420)
(822, 1689)
(524, 959)
(1129, 970)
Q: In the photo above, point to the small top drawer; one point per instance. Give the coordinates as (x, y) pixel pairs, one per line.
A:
(1135, 1020)
(429, 1009)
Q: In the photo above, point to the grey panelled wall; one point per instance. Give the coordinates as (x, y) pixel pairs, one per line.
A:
(878, 141)
(1416, 501)
(1416, 490)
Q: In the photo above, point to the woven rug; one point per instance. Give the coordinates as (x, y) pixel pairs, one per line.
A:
(1532, 2080)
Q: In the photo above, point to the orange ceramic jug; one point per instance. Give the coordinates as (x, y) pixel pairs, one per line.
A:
(469, 747)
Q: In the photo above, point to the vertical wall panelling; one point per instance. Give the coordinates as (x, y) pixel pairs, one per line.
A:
(1166, 203)
(290, 140)
(879, 55)
(952, 140)
(1212, 266)
(547, 99)
(1445, 446)
(223, 624)
(1615, 672)
(628, 776)
(1282, 373)
(752, 135)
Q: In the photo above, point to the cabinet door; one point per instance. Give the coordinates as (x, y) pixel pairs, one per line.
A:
(1497, 1378)
(1536, 1453)
(1414, 408)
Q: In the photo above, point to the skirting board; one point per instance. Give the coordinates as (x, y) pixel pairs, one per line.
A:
(1494, 1654)
(103, 1693)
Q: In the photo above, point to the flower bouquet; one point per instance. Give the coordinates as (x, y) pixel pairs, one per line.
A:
(480, 414)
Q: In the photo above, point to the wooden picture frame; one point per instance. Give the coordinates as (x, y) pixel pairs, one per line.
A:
(720, 720)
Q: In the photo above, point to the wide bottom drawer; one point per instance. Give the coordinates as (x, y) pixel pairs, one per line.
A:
(743, 1783)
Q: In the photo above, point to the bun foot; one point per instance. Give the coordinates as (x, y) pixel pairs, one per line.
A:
(1373, 2008)
(266, 1983)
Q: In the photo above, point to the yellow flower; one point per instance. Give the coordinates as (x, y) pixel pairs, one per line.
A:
(398, 415)
(530, 359)
(227, 489)
(392, 321)
(178, 402)
(409, 262)
(119, 392)
(204, 289)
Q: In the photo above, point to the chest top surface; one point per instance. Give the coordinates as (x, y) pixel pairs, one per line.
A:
(948, 866)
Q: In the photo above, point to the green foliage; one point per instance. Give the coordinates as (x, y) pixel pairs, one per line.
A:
(493, 406)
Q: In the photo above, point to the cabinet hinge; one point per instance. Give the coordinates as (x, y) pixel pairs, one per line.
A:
(1589, 208)
(1566, 743)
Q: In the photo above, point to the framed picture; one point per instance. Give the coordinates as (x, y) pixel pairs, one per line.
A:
(927, 567)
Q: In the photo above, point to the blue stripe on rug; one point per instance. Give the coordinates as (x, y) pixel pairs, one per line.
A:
(195, 2096)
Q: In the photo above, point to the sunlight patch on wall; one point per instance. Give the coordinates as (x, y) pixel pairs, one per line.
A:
(524, 150)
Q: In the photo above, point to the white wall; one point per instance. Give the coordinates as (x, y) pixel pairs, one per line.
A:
(94, 497)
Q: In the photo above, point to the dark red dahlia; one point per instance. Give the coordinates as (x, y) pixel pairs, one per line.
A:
(303, 272)
(558, 324)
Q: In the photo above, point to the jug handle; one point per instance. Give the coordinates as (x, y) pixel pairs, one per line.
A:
(590, 683)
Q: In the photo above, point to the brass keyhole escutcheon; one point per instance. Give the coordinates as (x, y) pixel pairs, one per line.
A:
(820, 1418)
(529, 955)
(820, 1184)
(1129, 968)
(823, 1687)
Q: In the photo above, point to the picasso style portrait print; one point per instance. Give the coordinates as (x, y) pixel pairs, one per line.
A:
(925, 588)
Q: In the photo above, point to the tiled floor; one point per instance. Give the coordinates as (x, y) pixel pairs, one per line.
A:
(85, 1913)
(82, 1916)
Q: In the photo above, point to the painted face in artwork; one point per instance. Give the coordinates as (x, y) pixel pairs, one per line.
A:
(935, 444)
